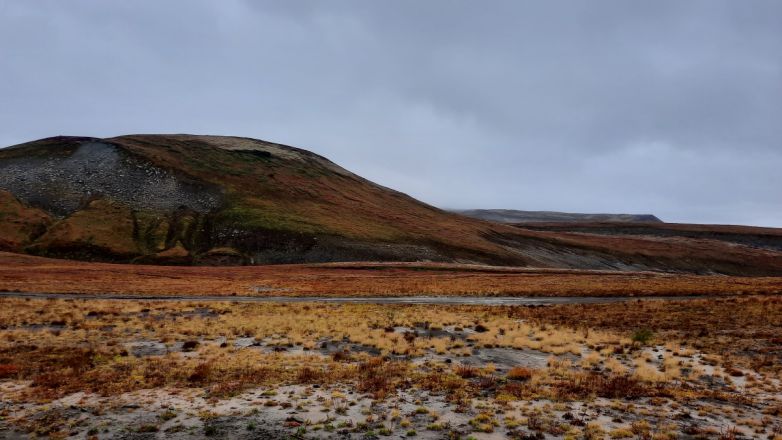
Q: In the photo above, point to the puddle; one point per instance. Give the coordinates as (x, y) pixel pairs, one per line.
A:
(445, 300)
(329, 347)
(199, 312)
(44, 327)
(507, 358)
(245, 342)
(146, 348)
(427, 332)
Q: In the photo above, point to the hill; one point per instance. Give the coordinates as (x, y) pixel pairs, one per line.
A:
(181, 198)
(751, 236)
(516, 216)
(212, 200)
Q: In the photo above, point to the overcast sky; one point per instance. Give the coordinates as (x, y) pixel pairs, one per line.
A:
(667, 107)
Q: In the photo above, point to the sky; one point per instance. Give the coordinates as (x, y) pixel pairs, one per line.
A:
(672, 108)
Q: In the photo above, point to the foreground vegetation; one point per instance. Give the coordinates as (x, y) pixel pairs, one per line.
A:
(645, 369)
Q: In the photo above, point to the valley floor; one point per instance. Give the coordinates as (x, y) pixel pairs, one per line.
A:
(22, 273)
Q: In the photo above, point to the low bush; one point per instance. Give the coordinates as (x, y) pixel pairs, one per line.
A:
(379, 377)
(642, 336)
(466, 371)
(309, 375)
(519, 373)
(609, 386)
(8, 371)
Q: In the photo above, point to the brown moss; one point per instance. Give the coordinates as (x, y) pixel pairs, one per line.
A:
(19, 224)
(103, 228)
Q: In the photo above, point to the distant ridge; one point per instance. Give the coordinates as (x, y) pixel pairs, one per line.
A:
(516, 216)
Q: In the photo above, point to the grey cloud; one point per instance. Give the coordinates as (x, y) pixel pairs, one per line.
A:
(667, 107)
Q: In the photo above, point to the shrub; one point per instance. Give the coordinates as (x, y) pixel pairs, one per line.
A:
(594, 384)
(519, 373)
(729, 434)
(309, 375)
(200, 373)
(515, 390)
(168, 415)
(226, 389)
(341, 356)
(641, 428)
(378, 376)
(148, 428)
(642, 336)
(8, 371)
(449, 383)
(210, 430)
(487, 382)
(484, 422)
(466, 371)
(621, 433)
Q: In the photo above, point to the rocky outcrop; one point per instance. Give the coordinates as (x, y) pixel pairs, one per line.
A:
(72, 174)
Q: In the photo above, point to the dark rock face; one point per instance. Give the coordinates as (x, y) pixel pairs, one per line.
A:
(62, 183)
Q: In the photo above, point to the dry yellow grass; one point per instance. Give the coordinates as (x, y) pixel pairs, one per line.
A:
(57, 347)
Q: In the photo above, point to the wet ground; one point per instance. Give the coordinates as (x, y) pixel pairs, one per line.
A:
(503, 358)
(435, 300)
(314, 412)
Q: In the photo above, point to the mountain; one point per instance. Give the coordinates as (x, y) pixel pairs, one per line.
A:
(516, 216)
(215, 200)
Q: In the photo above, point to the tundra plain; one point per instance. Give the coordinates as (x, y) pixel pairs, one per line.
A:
(708, 367)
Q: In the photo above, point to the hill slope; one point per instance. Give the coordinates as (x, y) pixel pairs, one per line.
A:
(172, 198)
(516, 216)
(184, 199)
